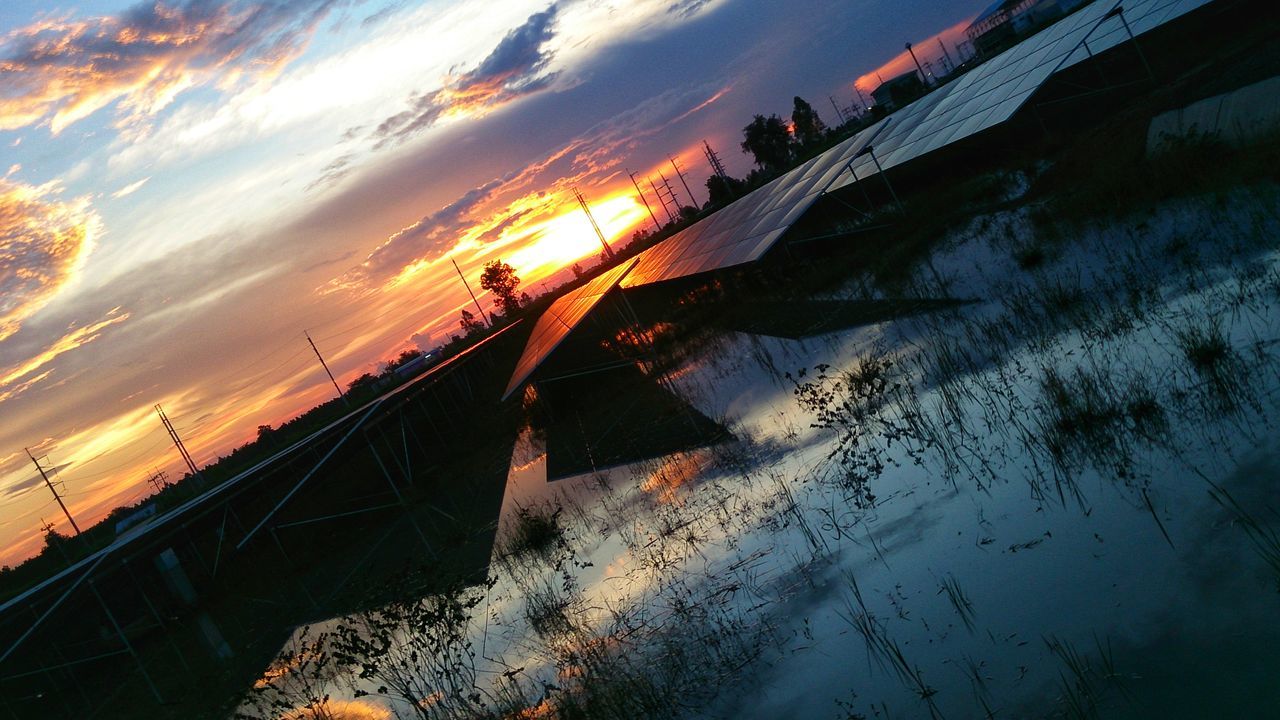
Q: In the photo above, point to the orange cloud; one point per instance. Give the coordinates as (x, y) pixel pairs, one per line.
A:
(43, 245)
(59, 71)
(72, 340)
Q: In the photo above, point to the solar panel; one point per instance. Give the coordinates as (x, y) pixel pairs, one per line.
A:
(994, 91)
(560, 319)
(983, 98)
(746, 229)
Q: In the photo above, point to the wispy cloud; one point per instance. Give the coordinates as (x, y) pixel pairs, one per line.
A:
(426, 240)
(130, 189)
(44, 243)
(513, 206)
(516, 67)
(73, 339)
(60, 71)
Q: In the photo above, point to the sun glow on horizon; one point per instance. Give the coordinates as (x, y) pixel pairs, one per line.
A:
(569, 237)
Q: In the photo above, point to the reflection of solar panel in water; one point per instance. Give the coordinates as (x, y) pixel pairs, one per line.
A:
(985, 97)
(560, 319)
(994, 91)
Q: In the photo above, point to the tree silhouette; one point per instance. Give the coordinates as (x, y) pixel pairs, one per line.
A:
(808, 127)
(56, 542)
(500, 279)
(366, 381)
(405, 357)
(469, 323)
(769, 142)
(723, 191)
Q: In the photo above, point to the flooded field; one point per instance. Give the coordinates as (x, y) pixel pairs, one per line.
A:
(1053, 499)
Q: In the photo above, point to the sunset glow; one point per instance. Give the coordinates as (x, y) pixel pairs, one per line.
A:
(569, 237)
(189, 186)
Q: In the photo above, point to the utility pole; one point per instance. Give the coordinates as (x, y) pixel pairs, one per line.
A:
(680, 175)
(923, 77)
(718, 168)
(671, 192)
(467, 285)
(49, 484)
(177, 442)
(862, 98)
(608, 251)
(670, 217)
(836, 107)
(951, 64)
(159, 480)
(656, 224)
(326, 368)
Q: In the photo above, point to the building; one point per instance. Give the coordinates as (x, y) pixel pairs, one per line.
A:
(1006, 22)
(898, 91)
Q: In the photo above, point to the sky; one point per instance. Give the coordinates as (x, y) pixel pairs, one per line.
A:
(187, 186)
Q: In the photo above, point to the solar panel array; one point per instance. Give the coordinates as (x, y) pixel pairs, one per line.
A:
(993, 92)
(743, 231)
(560, 319)
(983, 98)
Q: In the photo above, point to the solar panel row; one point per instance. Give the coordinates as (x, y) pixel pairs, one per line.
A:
(745, 230)
(560, 319)
(996, 90)
(985, 97)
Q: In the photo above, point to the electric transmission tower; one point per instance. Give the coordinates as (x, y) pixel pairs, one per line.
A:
(177, 442)
(608, 251)
(671, 193)
(718, 168)
(657, 193)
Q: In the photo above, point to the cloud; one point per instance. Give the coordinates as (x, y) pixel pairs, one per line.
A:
(380, 16)
(60, 71)
(22, 486)
(514, 69)
(44, 243)
(339, 168)
(130, 189)
(425, 240)
(505, 208)
(73, 339)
